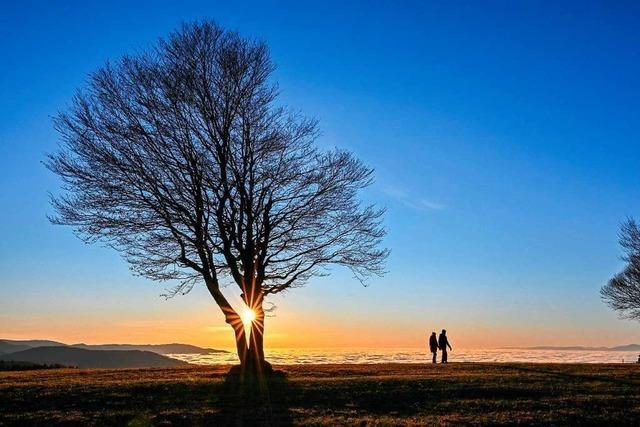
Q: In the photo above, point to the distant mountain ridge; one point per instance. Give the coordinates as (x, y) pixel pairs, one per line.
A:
(46, 352)
(173, 348)
(628, 347)
(12, 346)
(82, 358)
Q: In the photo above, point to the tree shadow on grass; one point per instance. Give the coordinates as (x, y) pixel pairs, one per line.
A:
(408, 397)
(255, 401)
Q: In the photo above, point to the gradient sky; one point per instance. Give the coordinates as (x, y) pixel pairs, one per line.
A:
(505, 138)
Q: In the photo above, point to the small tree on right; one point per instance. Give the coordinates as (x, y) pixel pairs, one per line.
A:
(622, 292)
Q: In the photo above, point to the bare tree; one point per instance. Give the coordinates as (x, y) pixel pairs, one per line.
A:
(622, 292)
(180, 159)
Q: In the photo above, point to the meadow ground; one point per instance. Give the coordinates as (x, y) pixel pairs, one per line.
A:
(390, 394)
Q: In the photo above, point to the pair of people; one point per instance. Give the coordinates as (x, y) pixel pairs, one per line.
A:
(442, 342)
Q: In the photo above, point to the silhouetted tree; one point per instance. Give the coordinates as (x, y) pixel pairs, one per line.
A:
(179, 159)
(622, 292)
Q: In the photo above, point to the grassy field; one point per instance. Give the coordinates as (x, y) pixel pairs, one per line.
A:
(394, 394)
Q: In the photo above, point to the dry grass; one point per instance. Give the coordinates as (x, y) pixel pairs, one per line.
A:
(460, 393)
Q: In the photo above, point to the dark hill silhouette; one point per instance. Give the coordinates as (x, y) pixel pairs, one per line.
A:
(82, 358)
(34, 343)
(173, 348)
(628, 347)
(6, 347)
(11, 346)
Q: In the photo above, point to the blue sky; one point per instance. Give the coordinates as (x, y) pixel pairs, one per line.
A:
(504, 137)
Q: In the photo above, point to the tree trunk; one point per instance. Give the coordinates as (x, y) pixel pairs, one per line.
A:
(256, 340)
(233, 319)
(251, 353)
(254, 362)
(241, 340)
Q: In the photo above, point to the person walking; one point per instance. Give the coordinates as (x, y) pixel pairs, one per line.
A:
(443, 343)
(433, 346)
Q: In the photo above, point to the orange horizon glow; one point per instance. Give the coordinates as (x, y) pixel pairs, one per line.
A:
(349, 317)
(292, 330)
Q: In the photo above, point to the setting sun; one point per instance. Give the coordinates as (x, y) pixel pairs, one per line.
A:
(248, 316)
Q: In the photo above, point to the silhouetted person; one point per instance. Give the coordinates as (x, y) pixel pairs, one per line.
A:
(433, 345)
(638, 359)
(443, 343)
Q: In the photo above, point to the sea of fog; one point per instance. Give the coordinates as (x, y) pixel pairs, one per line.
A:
(413, 355)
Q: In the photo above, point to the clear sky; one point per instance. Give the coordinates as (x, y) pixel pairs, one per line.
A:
(505, 138)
